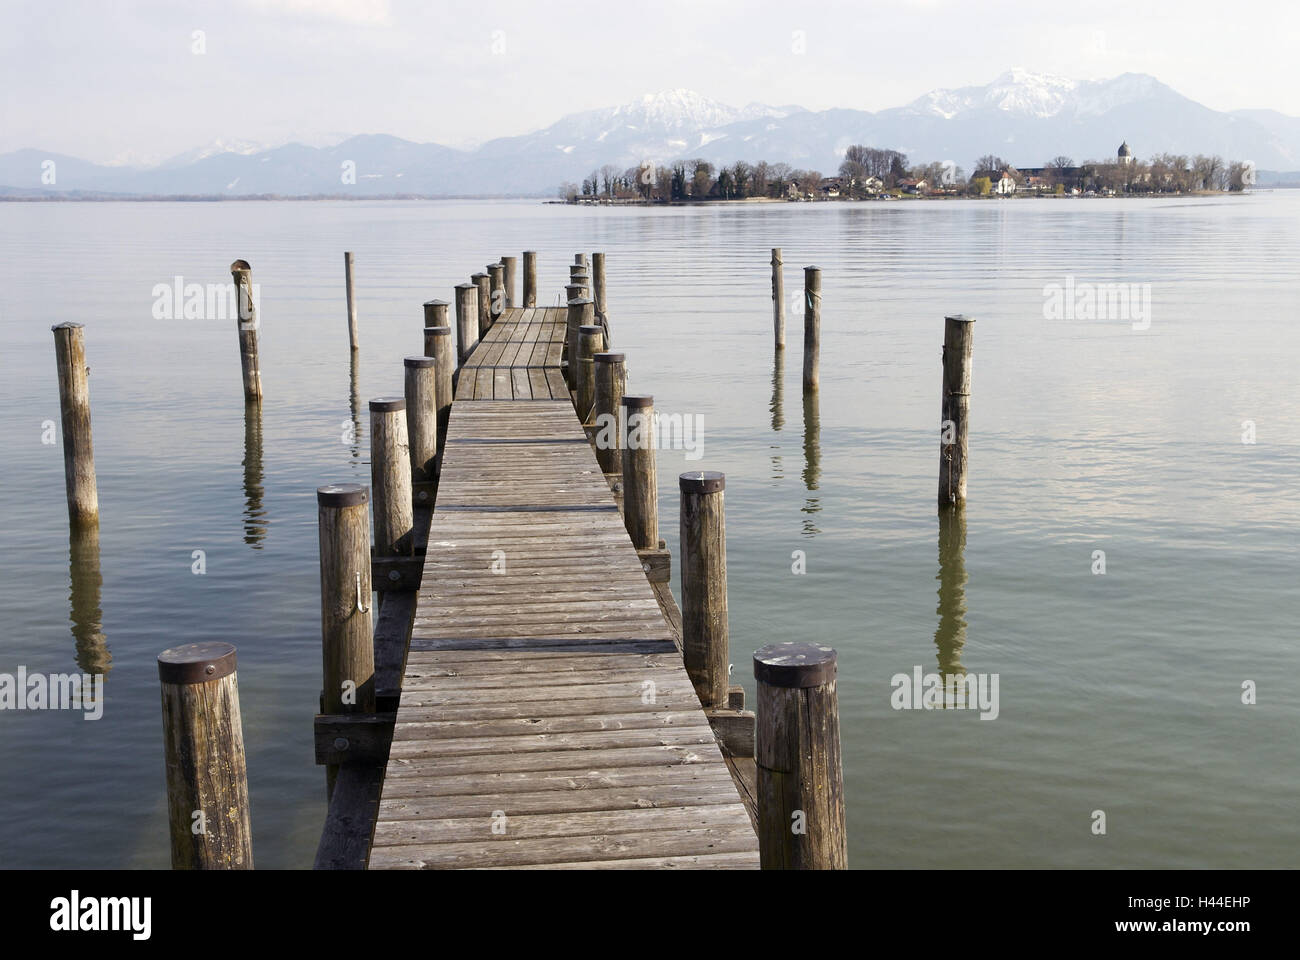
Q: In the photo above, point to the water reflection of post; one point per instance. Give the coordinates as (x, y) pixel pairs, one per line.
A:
(87, 618)
(777, 407)
(254, 513)
(951, 635)
(812, 456)
(354, 403)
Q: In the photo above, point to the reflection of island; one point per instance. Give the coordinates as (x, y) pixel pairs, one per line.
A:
(354, 403)
(86, 582)
(254, 513)
(812, 456)
(951, 635)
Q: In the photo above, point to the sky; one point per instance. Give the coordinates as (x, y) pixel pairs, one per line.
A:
(141, 80)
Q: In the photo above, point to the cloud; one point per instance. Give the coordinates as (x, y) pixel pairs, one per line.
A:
(377, 12)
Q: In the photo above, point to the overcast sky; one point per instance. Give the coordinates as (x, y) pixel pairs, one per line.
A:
(115, 80)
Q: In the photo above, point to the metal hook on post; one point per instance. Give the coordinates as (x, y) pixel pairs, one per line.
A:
(361, 607)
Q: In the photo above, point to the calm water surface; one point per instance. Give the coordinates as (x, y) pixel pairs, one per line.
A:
(1119, 692)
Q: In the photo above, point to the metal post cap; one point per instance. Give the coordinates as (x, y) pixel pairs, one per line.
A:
(637, 400)
(796, 664)
(342, 494)
(417, 362)
(702, 481)
(605, 356)
(435, 303)
(196, 662)
(387, 404)
(590, 329)
(959, 317)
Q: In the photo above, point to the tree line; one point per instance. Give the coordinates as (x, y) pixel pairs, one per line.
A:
(866, 171)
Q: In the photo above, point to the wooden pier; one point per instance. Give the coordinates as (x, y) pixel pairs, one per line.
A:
(544, 716)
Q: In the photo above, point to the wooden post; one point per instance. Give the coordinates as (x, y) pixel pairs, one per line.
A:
(352, 303)
(590, 343)
(778, 298)
(598, 284)
(203, 742)
(580, 260)
(466, 320)
(800, 783)
(580, 277)
(246, 306)
(508, 265)
(954, 445)
(347, 634)
(530, 278)
(640, 484)
(390, 478)
(422, 426)
(704, 585)
(437, 342)
(74, 408)
(497, 289)
(581, 314)
(611, 384)
(435, 315)
(484, 284)
(812, 326)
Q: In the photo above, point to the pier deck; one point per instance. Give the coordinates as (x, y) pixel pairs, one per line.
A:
(546, 718)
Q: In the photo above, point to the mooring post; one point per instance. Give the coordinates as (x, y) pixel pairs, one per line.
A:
(598, 284)
(640, 483)
(246, 309)
(74, 409)
(778, 298)
(347, 634)
(812, 326)
(438, 345)
(800, 783)
(508, 265)
(958, 344)
(484, 284)
(203, 743)
(497, 287)
(422, 426)
(581, 314)
(704, 585)
(581, 278)
(466, 320)
(435, 315)
(352, 303)
(580, 260)
(590, 342)
(390, 479)
(530, 278)
(611, 384)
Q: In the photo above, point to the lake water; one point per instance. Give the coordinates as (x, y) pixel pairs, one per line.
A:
(1119, 692)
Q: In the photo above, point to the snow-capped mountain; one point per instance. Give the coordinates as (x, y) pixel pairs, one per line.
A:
(1024, 117)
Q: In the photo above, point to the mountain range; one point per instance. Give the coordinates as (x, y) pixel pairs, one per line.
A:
(1026, 118)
